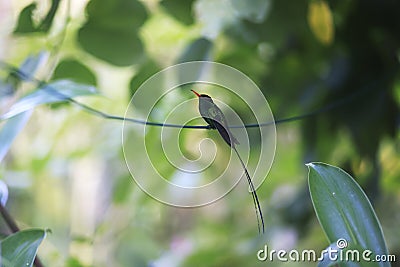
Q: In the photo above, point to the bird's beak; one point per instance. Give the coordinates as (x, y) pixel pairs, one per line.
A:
(198, 95)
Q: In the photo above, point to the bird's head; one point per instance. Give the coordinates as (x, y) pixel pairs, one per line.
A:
(202, 96)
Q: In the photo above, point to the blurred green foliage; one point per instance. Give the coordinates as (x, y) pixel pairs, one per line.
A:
(336, 59)
(111, 31)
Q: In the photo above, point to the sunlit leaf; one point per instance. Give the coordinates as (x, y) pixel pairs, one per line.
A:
(344, 210)
(54, 92)
(321, 21)
(20, 249)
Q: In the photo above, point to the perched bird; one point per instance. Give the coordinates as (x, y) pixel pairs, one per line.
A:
(214, 117)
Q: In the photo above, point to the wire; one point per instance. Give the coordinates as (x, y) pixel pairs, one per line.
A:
(40, 84)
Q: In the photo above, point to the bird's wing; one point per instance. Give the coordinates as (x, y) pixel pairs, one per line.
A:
(220, 123)
(223, 132)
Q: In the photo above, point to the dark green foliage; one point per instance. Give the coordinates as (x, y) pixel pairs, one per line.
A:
(350, 84)
(111, 31)
(361, 81)
(26, 23)
(181, 10)
(74, 70)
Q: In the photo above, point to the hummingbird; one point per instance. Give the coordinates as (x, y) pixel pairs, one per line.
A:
(214, 117)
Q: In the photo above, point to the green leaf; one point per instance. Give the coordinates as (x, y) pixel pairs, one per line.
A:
(11, 129)
(111, 32)
(119, 48)
(20, 249)
(116, 15)
(74, 70)
(181, 10)
(25, 22)
(344, 210)
(54, 92)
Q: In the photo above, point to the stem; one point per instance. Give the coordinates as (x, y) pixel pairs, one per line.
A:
(8, 219)
(14, 228)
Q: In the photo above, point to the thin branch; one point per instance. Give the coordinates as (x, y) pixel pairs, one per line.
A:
(8, 219)
(42, 84)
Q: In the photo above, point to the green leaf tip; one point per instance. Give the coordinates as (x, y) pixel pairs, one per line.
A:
(310, 165)
(344, 210)
(20, 249)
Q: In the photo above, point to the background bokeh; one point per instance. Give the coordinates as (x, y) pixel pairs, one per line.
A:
(337, 61)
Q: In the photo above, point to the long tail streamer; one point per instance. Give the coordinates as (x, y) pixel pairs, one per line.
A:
(257, 207)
